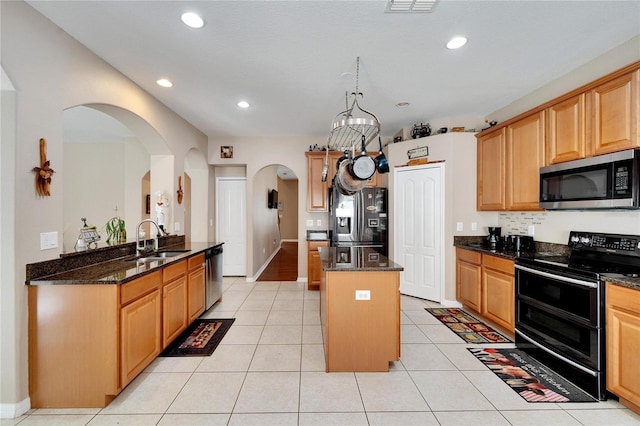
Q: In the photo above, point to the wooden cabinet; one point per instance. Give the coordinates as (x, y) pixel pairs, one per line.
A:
(492, 171)
(566, 130)
(525, 156)
(174, 301)
(140, 332)
(485, 284)
(196, 287)
(317, 189)
(614, 114)
(469, 278)
(623, 344)
(498, 291)
(314, 266)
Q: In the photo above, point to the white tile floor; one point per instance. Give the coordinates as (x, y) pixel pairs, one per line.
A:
(269, 370)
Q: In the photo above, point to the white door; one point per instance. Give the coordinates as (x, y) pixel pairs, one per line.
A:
(419, 229)
(231, 224)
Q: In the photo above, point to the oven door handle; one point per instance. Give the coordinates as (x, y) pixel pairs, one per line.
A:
(558, 277)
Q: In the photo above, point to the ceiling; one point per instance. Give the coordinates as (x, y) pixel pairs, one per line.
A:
(295, 61)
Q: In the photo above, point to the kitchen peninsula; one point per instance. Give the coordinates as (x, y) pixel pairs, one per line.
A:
(359, 309)
(98, 318)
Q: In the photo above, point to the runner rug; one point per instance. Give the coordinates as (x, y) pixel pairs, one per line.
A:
(533, 381)
(200, 339)
(469, 328)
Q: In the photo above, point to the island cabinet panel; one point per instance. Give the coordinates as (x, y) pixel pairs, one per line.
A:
(73, 345)
(174, 301)
(615, 114)
(140, 332)
(360, 335)
(623, 344)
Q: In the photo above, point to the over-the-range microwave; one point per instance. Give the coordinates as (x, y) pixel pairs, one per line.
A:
(608, 181)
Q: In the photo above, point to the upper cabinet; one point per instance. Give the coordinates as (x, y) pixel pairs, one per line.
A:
(566, 130)
(614, 114)
(317, 189)
(491, 171)
(525, 156)
(598, 118)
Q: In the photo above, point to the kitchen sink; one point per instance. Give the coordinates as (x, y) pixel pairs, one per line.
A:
(159, 256)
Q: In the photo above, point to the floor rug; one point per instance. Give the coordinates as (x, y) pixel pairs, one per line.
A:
(533, 381)
(465, 325)
(200, 339)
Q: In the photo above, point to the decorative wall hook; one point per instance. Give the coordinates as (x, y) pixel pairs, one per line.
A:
(44, 172)
(180, 193)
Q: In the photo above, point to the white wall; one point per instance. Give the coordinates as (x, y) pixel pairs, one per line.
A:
(266, 236)
(52, 72)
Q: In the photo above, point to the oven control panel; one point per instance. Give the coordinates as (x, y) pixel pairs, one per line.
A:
(613, 243)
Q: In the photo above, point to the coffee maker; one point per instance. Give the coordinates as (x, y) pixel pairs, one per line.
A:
(493, 239)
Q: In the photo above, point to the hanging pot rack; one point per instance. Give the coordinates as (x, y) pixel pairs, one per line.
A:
(348, 130)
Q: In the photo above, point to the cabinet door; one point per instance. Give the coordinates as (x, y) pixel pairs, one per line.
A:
(140, 335)
(614, 114)
(468, 278)
(525, 156)
(314, 266)
(174, 309)
(623, 343)
(196, 291)
(566, 127)
(498, 303)
(491, 171)
(317, 189)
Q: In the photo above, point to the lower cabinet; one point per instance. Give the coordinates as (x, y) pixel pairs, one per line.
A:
(196, 283)
(314, 266)
(174, 301)
(485, 285)
(623, 344)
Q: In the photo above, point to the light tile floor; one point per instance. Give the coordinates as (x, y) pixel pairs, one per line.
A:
(269, 370)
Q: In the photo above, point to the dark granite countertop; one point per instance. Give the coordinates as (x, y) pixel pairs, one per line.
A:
(120, 270)
(355, 259)
(543, 251)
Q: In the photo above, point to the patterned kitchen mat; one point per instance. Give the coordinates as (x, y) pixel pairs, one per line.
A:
(469, 328)
(532, 380)
(201, 338)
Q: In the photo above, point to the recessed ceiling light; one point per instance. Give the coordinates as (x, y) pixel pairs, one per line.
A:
(243, 104)
(192, 20)
(164, 83)
(402, 104)
(456, 42)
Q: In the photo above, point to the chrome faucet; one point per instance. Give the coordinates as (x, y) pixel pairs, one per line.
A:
(140, 250)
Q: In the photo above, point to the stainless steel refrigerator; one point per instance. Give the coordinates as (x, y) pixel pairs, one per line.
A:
(359, 219)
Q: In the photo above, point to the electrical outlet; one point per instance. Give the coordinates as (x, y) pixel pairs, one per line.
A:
(176, 226)
(309, 222)
(474, 226)
(319, 222)
(459, 226)
(531, 230)
(363, 294)
(48, 240)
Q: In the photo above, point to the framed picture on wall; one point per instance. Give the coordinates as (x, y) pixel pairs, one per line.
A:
(226, 152)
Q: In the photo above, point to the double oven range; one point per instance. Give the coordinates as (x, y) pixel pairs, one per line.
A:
(560, 306)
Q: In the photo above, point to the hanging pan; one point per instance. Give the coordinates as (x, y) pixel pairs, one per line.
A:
(363, 166)
(381, 160)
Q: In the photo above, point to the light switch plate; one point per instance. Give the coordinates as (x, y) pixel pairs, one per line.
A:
(531, 229)
(309, 222)
(459, 226)
(474, 226)
(319, 222)
(176, 226)
(48, 240)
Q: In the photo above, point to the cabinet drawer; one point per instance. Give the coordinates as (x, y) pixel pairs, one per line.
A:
(313, 245)
(499, 264)
(174, 270)
(469, 256)
(623, 297)
(196, 261)
(137, 288)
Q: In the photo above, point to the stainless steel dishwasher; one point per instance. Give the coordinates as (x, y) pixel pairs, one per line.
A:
(213, 268)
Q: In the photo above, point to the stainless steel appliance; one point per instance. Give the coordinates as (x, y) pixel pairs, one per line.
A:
(560, 304)
(359, 219)
(493, 239)
(213, 271)
(603, 182)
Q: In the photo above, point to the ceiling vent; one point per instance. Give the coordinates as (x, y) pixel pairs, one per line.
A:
(411, 6)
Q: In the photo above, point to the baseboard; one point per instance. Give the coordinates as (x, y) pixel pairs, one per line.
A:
(265, 264)
(302, 280)
(13, 411)
(451, 303)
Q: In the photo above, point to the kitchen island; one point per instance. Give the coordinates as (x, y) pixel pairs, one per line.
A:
(359, 309)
